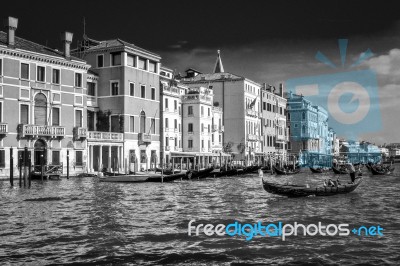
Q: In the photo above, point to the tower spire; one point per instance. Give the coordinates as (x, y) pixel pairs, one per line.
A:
(219, 68)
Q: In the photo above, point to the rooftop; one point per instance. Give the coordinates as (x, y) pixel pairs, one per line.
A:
(30, 46)
(115, 43)
(213, 77)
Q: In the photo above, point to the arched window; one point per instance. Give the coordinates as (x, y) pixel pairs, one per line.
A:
(142, 122)
(40, 109)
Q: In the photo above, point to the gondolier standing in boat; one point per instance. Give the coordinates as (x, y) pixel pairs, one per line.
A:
(352, 171)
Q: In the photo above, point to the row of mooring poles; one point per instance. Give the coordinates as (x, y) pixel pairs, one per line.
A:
(25, 162)
(25, 167)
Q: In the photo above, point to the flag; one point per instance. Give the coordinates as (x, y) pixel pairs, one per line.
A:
(253, 102)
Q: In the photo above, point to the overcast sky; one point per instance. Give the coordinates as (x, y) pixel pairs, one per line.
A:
(266, 41)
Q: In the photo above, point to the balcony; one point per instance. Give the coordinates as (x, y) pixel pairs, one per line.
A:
(251, 112)
(197, 98)
(80, 132)
(105, 136)
(252, 137)
(3, 128)
(167, 148)
(282, 138)
(203, 149)
(214, 128)
(91, 101)
(221, 129)
(145, 138)
(41, 130)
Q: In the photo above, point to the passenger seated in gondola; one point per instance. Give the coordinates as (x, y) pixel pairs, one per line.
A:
(329, 183)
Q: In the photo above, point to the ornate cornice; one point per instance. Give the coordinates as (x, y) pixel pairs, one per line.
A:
(44, 58)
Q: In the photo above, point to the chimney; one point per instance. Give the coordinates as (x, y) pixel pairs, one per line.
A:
(66, 38)
(281, 89)
(11, 25)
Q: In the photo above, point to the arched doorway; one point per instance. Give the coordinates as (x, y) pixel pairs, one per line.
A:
(40, 149)
(40, 109)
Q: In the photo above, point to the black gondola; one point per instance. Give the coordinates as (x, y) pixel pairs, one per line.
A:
(316, 170)
(339, 171)
(383, 171)
(199, 174)
(304, 191)
(286, 172)
(166, 178)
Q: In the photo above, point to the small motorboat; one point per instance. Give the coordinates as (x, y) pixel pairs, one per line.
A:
(304, 191)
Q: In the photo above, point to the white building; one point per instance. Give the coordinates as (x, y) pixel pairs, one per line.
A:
(239, 99)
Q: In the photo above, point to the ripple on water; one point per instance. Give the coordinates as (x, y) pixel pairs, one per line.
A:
(83, 221)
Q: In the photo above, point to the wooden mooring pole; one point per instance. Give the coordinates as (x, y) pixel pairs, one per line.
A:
(11, 167)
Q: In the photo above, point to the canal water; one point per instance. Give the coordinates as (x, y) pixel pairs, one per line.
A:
(84, 221)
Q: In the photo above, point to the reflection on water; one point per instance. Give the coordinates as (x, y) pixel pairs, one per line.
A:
(85, 221)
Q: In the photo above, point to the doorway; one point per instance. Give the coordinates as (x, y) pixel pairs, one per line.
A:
(39, 151)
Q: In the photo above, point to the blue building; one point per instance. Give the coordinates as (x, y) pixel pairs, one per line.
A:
(309, 132)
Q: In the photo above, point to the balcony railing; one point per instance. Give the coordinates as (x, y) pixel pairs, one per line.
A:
(171, 89)
(144, 138)
(251, 112)
(105, 136)
(221, 129)
(195, 97)
(41, 130)
(282, 138)
(3, 128)
(252, 137)
(167, 148)
(91, 100)
(214, 128)
(80, 132)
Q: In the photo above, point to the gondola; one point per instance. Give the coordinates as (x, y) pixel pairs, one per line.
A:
(316, 170)
(383, 171)
(229, 172)
(339, 171)
(199, 174)
(319, 170)
(286, 172)
(167, 171)
(304, 191)
(166, 178)
(266, 169)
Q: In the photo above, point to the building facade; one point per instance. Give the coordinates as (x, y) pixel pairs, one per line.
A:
(275, 134)
(43, 102)
(127, 132)
(171, 114)
(239, 99)
(309, 134)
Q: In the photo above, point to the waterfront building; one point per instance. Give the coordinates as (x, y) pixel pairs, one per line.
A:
(239, 100)
(197, 123)
(171, 114)
(356, 151)
(43, 102)
(308, 130)
(127, 132)
(275, 134)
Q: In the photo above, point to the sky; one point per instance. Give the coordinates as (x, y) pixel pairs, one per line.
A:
(266, 41)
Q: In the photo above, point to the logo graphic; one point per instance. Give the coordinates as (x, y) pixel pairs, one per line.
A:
(350, 98)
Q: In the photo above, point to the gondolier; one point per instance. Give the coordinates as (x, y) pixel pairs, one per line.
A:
(352, 171)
